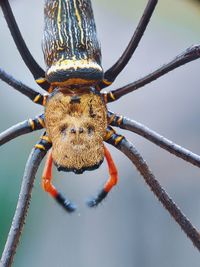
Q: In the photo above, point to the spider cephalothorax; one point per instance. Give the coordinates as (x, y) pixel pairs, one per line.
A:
(76, 125)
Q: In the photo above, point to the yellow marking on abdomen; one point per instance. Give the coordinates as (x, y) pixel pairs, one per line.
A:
(79, 21)
(75, 64)
(59, 20)
(69, 31)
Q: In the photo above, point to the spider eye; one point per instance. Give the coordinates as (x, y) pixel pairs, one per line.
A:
(91, 112)
(63, 129)
(90, 130)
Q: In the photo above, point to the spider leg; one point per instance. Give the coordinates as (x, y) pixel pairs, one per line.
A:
(130, 151)
(110, 133)
(22, 128)
(138, 128)
(32, 94)
(112, 181)
(37, 72)
(190, 54)
(18, 222)
(49, 188)
(111, 74)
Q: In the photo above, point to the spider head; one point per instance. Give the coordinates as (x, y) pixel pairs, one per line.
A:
(76, 125)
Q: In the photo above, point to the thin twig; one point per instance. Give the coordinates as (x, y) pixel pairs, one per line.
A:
(32, 165)
(188, 55)
(130, 151)
(157, 139)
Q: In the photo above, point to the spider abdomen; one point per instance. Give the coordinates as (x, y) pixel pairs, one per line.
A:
(71, 48)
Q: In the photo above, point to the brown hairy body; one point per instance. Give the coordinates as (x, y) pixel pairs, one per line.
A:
(76, 124)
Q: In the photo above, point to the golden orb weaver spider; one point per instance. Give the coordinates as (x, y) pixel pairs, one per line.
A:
(115, 120)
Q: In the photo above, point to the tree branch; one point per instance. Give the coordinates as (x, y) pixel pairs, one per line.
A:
(130, 151)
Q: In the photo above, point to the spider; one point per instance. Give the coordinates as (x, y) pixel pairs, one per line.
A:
(76, 119)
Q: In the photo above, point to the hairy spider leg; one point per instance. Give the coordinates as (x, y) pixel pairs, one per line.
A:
(112, 181)
(50, 188)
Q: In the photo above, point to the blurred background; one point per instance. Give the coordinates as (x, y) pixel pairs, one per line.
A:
(130, 228)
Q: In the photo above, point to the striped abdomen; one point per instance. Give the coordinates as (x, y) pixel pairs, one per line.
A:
(71, 49)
